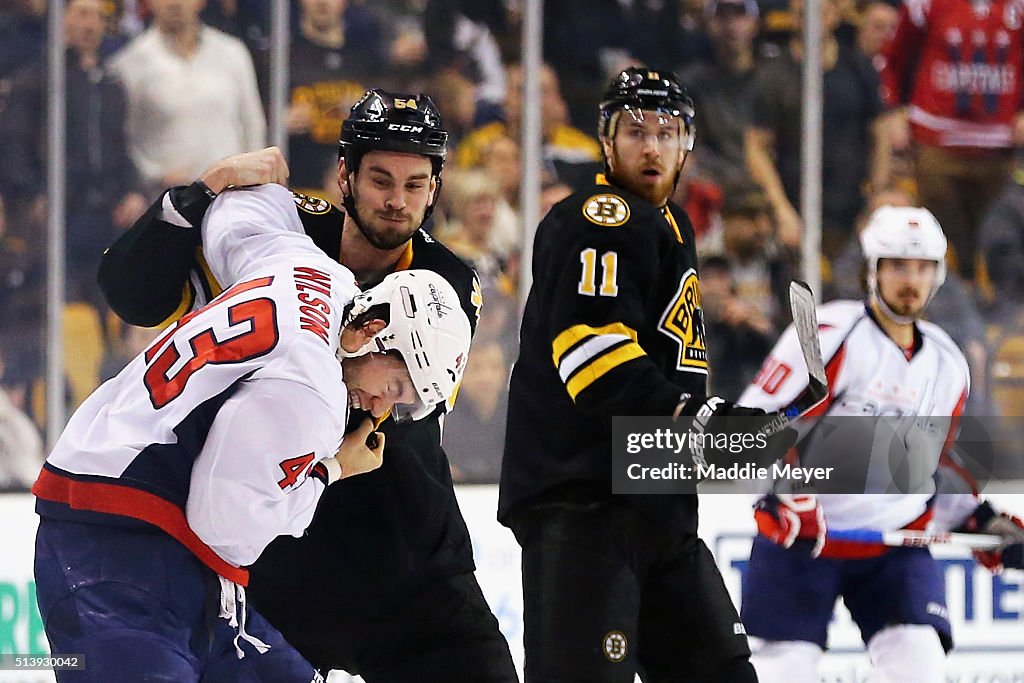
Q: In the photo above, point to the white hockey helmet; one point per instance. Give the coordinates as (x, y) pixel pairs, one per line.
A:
(903, 232)
(427, 326)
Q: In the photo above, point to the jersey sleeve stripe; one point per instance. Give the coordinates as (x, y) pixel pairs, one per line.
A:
(584, 353)
(589, 374)
(578, 334)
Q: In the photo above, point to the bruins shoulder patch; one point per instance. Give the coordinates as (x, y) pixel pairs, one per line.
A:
(608, 210)
(313, 205)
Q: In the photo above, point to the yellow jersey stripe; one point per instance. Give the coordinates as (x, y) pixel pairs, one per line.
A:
(672, 221)
(602, 365)
(405, 260)
(577, 333)
(207, 275)
(188, 298)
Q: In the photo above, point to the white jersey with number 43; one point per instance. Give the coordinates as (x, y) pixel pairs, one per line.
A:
(224, 415)
(871, 376)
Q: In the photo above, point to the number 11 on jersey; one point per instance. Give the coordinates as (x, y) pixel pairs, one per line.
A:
(609, 270)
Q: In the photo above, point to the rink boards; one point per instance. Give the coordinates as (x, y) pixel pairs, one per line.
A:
(987, 611)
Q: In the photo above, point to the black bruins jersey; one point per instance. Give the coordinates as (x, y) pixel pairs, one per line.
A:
(612, 326)
(376, 538)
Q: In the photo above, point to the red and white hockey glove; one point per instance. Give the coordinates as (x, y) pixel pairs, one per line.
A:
(796, 522)
(986, 520)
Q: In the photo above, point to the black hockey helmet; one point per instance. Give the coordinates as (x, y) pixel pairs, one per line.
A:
(393, 122)
(638, 88)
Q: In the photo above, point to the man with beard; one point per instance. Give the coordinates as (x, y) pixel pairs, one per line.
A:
(382, 583)
(882, 360)
(615, 584)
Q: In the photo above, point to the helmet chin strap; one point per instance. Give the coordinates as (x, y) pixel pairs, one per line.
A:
(348, 200)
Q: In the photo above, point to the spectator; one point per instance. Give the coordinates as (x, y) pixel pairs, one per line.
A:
(759, 270)
(245, 19)
(551, 194)
(587, 41)
(738, 334)
(22, 35)
(877, 27)
(455, 96)
(474, 433)
(328, 74)
(192, 95)
(102, 185)
(564, 146)
(22, 303)
(855, 150)
(692, 44)
(501, 162)
(21, 447)
(724, 90)
(475, 211)
(1001, 245)
(460, 34)
(959, 72)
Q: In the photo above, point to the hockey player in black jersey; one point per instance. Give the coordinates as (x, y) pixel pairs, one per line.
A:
(615, 585)
(382, 583)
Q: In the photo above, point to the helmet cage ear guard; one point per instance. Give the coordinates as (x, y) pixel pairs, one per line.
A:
(426, 326)
(902, 233)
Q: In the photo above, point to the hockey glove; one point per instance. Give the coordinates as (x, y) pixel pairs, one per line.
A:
(720, 422)
(795, 522)
(986, 520)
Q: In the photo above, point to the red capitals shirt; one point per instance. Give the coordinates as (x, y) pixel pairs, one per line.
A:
(957, 64)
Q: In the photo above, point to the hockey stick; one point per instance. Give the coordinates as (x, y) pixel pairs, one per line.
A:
(914, 539)
(805, 322)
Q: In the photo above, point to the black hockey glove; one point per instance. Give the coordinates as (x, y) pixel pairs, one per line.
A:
(730, 433)
(987, 520)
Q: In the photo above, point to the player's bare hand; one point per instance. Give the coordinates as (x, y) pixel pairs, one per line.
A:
(355, 456)
(250, 168)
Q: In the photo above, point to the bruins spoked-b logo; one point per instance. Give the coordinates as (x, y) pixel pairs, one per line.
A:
(683, 321)
(313, 205)
(608, 210)
(614, 646)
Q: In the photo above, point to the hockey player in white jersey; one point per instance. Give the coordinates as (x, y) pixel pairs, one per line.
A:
(881, 360)
(222, 435)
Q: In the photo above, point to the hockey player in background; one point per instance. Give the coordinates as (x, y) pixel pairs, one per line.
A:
(403, 602)
(614, 584)
(221, 435)
(881, 360)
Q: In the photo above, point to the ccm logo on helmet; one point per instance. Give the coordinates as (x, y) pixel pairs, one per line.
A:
(405, 128)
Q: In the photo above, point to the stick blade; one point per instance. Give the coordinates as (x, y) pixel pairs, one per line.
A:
(805, 320)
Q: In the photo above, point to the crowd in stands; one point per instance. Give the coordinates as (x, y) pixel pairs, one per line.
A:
(159, 89)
